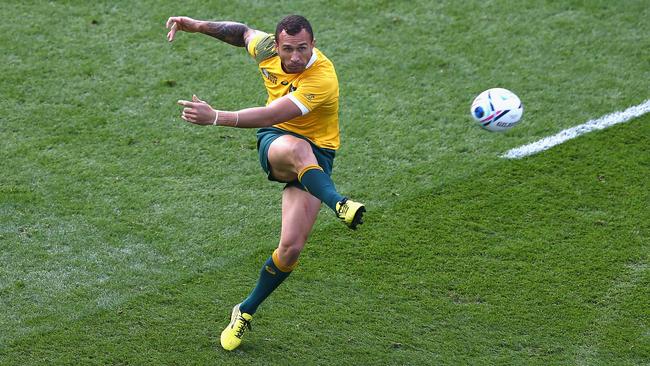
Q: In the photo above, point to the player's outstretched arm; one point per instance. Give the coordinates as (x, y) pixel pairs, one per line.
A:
(201, 113)
(236, 34)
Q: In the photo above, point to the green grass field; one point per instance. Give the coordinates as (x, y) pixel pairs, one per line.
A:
(127, 235)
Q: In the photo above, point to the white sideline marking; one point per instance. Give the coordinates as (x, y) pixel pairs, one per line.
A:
(573, 132)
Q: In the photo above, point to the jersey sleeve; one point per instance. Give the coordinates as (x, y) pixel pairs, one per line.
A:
(261, 47)
(315, 91)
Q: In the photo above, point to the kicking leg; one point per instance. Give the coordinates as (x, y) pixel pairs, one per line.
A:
(292, 158)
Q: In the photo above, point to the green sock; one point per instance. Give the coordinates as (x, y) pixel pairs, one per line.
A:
(270, 278)
(320, 185)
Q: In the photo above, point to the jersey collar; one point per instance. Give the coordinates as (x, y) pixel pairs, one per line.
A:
(312, 59)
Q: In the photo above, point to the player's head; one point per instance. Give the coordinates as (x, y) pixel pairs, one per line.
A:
(294, 41)
(292, 25)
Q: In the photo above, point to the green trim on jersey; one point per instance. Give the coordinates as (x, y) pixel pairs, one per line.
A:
(265, 48)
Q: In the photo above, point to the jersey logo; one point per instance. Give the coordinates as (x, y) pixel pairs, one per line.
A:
(292, 88)
(284, 82)
(272, 78)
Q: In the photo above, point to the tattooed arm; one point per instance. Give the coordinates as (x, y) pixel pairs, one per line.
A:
(236, 34)
(229, 32)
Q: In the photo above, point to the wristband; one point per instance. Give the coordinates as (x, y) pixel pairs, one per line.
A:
(216, 117)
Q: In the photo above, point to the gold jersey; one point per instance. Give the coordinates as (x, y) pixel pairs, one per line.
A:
(315, 91)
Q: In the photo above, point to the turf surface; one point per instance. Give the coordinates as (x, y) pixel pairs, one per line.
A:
(127, 235)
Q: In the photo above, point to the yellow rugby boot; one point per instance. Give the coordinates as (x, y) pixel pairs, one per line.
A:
(231, 336)
(350, 212)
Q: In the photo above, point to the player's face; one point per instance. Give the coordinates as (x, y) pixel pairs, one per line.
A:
(294, 51)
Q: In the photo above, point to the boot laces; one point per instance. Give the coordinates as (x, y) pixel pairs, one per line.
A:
(344, 207)
(243, 324)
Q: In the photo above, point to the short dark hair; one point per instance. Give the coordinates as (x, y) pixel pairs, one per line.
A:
(293, 24)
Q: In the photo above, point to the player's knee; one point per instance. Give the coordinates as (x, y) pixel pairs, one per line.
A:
(288, 254)
(301, 153)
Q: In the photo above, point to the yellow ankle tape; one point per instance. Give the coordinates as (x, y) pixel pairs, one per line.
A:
(282, 267)
(308, 167)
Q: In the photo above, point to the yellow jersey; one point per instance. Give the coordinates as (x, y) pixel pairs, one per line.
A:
(315, 91)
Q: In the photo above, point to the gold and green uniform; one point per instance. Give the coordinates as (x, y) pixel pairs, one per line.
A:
(315, 91)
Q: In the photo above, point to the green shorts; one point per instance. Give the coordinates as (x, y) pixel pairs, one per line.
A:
(265, 136)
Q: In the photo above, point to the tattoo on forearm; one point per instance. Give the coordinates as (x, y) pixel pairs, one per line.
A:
(229, 32)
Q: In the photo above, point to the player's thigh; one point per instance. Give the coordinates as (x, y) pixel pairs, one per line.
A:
(287, 155)
(299, 212)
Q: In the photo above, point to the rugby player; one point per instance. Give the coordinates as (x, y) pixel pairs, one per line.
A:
(297, 139)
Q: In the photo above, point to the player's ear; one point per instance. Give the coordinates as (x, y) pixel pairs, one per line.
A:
(313, 43)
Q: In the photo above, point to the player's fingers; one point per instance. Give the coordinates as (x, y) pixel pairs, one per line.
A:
(189, 115)
(196, 99)
(193, 115)
(190, 111)
(173, 27)
(186, 103)
(170, 22)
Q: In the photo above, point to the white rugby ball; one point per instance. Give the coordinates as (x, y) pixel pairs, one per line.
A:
(497, 109)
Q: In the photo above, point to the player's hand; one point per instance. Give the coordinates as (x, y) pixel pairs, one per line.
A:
(197, 111)
(184, 24)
